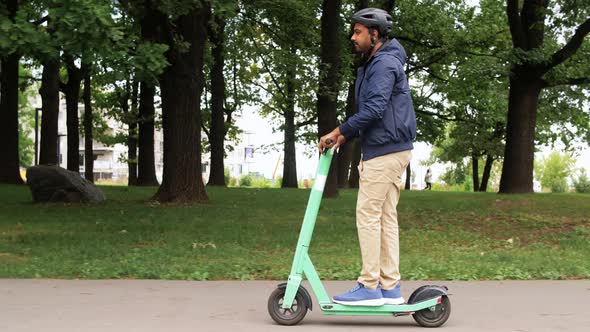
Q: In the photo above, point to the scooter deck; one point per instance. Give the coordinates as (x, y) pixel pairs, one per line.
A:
(384, 310)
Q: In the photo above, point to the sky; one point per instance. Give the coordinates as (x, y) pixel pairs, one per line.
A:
(260, 130)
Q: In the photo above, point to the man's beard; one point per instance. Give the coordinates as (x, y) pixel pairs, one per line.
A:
(358, 50)
(363, 55)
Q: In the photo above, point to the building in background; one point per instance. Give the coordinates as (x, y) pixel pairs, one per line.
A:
(110, 161)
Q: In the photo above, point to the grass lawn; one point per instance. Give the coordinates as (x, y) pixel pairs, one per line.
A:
(251, 234)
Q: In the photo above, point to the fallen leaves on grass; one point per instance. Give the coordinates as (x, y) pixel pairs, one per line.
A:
(204, 245)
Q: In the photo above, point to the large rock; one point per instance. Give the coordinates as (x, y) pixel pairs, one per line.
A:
(55, 184)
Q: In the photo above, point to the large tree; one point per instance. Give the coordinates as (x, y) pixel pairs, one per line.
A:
(329, 81)
(286, 47)
(88, 123)
(540, 61)
(49, 92)
(229, 86)
(71, 90)
(9, 64)
(80, 38)
(475, 90)
(146, 161)
(217, 127)
(184, 26)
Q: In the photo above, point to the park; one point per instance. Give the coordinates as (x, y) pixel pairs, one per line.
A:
(132, 197)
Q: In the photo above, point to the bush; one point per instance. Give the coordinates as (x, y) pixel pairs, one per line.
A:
(245, 181)
(553, 171)
(278, 182)
(446, 187)
(582, 184)
(558, 185)
(261, 182)
(233, 182)
(226, 175)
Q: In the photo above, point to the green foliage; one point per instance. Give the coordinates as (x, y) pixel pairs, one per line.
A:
(446, 187)
(245, 181)
(26, 120)
(226, 174)
(278, 182)
(553, 171)
(261, 182)
(85, 28)
(21, 36)
(558, 185)
(233, 182)
(26, 146)
(455, 174)
(149, 61)
(582, 183)
(281, 39)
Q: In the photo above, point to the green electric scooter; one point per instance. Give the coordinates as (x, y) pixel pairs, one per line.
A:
(288, 304)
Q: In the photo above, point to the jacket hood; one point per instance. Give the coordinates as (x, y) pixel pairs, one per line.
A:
(393, 47)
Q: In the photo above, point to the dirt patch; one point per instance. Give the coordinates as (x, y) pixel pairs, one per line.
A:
(526, 229)
(6, 257)
(507, 204)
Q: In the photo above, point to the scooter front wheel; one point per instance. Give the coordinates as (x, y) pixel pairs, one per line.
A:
(434, 316)
(289, 316)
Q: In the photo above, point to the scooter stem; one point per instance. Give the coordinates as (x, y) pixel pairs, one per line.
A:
(311, 213)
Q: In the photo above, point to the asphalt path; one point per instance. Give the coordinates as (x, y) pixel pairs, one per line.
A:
(41, 305)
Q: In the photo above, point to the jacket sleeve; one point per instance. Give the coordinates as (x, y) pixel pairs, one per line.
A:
(379, 86)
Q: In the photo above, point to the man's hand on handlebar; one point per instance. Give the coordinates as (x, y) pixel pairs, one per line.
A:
(331, 140)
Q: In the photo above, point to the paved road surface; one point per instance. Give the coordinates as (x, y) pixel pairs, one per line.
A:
(170, 306)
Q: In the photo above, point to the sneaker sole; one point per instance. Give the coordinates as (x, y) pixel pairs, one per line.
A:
(367, 303)
(394, 301)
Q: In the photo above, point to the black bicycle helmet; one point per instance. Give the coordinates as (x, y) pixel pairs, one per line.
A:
(374, 18)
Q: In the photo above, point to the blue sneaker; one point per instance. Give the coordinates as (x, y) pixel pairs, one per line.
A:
(393, 296)
(361, 296)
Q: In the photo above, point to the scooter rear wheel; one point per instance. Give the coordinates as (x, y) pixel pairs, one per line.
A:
(289, 316)
(435, 316)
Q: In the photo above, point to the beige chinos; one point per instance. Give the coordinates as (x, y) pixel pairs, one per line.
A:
(376, 218)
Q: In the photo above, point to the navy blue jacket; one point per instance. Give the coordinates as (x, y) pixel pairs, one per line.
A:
(385, 118)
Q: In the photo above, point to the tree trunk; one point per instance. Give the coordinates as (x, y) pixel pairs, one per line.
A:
(182, 84)
(146, 163)
(408, 178)
(345, 154)
(517, 170)
(475, 172)
(217, 133)
(132, 131)
(50, 111)
(388, 5)
(290, 163)
(88, 148)
(355, 145)
(329, 85)
(9, 157)
(9, 152)
(486, 174)
(353, 180)
(72, 94)
(527, 26)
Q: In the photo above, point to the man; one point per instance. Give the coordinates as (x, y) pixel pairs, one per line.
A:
(386, 123)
